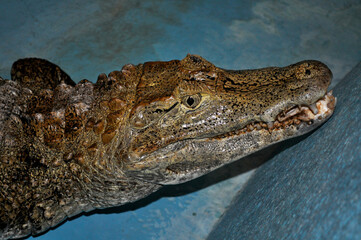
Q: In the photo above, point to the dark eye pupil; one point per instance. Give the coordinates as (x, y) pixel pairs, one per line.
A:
(190, 101)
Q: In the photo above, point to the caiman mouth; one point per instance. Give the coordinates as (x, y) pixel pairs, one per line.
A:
(295, 115)
(301, 118)
(191, 158)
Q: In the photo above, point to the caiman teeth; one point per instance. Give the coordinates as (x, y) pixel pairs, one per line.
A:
(292, 116)
(314, 108)
(289, 113)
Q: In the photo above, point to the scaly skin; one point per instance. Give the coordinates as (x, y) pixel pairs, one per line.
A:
(67, 148)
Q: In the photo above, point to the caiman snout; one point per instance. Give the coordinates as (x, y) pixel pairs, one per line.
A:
(315, 70)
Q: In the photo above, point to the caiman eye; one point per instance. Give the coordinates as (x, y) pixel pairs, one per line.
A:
(192, 101)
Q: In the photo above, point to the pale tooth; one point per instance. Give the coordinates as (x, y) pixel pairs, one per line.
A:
(292, 112)
(314, 108)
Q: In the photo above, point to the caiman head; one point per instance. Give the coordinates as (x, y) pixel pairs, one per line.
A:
(191, 117)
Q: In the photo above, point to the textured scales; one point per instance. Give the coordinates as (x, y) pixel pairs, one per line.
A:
(67, 148)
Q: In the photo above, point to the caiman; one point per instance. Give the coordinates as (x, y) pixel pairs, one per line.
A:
(66, 148)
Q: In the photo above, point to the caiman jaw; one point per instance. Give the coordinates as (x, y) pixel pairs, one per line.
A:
(320, 110)
(294, 121)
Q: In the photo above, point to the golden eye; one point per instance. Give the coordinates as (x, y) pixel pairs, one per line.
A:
(192, 101)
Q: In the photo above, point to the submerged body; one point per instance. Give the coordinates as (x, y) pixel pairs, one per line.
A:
(67, 148)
